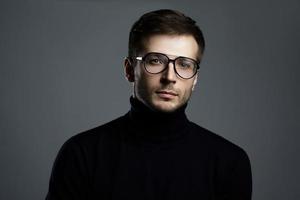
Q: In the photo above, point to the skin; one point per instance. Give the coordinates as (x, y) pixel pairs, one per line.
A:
(150, 88)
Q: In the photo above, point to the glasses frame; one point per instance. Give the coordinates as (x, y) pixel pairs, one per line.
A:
(142, 58)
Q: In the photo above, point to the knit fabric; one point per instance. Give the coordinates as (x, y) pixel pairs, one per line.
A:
(150, 155)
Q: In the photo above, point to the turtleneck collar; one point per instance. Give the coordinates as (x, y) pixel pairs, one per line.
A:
(150, 125)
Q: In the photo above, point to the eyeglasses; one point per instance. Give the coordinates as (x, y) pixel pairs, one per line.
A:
(155, 63)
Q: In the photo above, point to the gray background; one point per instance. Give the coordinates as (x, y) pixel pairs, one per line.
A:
(61, 73)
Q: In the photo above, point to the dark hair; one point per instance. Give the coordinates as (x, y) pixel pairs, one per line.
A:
(169, 22)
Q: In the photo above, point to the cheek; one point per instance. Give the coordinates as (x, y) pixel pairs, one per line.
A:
(187, 91)
(145, 83)
(149, 81)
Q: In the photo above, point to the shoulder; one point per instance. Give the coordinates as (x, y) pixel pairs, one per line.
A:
(218, 145)
(100, 134)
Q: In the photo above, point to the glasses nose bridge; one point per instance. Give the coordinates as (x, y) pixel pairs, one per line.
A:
(171, 61)
(167, 69)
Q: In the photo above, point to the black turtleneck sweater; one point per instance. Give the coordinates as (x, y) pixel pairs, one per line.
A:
(153, 156)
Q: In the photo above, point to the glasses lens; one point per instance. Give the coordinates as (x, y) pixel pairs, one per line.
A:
(185, 67)
(155, 63)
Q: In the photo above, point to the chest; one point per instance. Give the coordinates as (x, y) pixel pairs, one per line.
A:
(172, 171)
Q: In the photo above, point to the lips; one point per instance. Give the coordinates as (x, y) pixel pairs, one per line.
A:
(168, 92)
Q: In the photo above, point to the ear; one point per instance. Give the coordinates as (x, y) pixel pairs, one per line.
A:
(129, 69)
(195, 81)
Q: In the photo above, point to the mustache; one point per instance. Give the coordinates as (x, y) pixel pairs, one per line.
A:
(168, 87)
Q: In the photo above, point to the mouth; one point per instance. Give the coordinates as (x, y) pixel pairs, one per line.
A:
(166, 94)
(169, 92)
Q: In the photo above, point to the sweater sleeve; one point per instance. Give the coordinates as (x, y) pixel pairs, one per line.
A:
(68, 179)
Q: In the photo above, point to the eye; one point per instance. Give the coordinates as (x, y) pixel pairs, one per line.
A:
(155, 61)
(184, 64)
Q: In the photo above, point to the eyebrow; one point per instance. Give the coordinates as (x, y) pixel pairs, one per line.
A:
(175, 56)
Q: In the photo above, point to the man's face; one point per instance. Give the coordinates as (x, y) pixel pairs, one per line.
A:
(165, 91)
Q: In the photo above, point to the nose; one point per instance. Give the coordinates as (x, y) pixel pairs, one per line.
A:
(169, 75)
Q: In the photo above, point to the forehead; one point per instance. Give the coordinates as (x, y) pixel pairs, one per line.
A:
(173, 45)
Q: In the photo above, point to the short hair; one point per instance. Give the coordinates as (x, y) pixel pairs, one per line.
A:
(165, 22)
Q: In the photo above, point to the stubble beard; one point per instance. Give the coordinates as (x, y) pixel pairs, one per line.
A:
(150, 99)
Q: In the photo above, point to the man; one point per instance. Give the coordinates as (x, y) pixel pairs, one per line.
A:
(154, 151)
